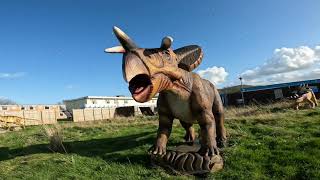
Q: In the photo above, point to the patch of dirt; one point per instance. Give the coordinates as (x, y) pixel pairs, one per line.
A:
(13, 128)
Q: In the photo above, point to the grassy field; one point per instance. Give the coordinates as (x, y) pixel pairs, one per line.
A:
(264, 142)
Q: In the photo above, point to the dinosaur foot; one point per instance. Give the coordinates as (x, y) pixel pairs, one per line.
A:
(189, 139)
(221, 143)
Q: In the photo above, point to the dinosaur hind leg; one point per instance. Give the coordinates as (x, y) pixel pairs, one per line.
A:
(218, 113)
(220, 130)
(312, 104)
(314, 98)
(190, 134)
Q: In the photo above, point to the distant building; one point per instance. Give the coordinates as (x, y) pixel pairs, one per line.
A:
(269, 93)
(58, 110)
(106, 102)
(28, 107)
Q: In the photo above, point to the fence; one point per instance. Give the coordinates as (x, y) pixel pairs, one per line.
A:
(33, 117)
(93, 114)
(80, 115)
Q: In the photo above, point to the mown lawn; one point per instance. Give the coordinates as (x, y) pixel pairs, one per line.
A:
(264, 143)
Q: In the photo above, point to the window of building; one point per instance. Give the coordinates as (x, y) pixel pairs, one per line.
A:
(46, 107)
(108, 101)
(4, 108)
(125, 101)
(23, 108)
(278, 93)
(31, 108)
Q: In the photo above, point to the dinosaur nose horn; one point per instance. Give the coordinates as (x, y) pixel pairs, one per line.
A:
(124, 39)
(166, 42)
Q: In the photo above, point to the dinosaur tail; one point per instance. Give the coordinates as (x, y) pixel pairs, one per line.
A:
(314, 98)
(190, 163)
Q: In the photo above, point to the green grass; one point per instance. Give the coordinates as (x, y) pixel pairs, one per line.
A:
(264, 143)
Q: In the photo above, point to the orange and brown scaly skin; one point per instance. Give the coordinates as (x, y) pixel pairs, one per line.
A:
(187, 97)
(202, 106)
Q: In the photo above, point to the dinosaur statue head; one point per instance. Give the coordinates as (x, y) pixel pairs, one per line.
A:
(150, 71)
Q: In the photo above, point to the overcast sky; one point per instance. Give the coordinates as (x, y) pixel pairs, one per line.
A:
(53, 50)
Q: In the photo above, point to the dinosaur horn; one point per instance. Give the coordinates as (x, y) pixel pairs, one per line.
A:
(124, 39)
(116, 49)
(166, 42)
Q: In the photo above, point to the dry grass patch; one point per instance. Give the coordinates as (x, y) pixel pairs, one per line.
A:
(55, 137)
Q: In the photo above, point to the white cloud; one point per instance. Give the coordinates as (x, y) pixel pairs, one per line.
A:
(286, 65)
(216, 75)
(70, 86)
(12, 75)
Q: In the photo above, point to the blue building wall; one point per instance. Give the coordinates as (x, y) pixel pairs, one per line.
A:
(276, 86)
(265, 94)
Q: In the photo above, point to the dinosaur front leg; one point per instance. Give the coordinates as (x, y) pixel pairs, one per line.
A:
(164, 131)
(190, 134)
(208, 135)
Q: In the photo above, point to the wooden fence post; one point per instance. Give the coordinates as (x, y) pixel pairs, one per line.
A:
(24, 119)
(94, 118)
(55, 116)
(41, 117)
(84, 116)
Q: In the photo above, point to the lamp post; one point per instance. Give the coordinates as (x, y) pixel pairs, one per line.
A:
(240, 78)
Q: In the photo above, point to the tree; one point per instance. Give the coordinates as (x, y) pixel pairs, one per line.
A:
(6, 101)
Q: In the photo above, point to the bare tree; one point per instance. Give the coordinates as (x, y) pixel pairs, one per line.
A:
(6, 101)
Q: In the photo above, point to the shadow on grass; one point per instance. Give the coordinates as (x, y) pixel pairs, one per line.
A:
(109, 149)
(314, 113)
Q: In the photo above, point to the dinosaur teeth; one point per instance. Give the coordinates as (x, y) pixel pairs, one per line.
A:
(138, 90)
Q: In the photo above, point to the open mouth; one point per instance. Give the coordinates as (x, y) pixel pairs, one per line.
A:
(140, 87)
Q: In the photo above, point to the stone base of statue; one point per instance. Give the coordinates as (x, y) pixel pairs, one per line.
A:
(184, 159)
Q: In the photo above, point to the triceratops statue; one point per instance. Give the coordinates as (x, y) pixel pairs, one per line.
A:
(182, 94)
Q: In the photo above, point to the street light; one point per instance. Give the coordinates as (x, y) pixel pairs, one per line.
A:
(240, 78)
